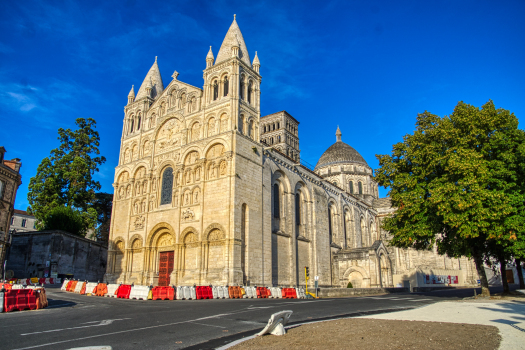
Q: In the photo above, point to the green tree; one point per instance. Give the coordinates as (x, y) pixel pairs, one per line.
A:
(66, 219)
(458, 182)
(103, 204)
(65, 178)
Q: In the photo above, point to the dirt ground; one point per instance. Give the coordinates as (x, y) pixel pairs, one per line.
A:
(373, 334)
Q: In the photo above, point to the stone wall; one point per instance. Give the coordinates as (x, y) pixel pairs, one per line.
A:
(347, 292)
(72, 255)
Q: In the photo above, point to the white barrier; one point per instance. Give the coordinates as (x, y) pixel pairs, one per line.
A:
(225, 292)
(79, 287)
(139, 292)
(1, 302)
(112, 288)
(276, 292)
(90, 286)
(64, 285)
(47, 281)
(251, 292)
(32, 287)
(215, 292)
(22, 281)
(18, 286)
(300, 293)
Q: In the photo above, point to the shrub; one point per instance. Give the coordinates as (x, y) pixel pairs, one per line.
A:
(349, 285)
(66, 219)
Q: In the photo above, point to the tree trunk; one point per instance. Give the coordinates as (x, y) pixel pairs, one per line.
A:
(476, 254)
(503, 270)
(520, 273)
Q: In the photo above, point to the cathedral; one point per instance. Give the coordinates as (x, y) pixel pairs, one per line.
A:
(208, 191)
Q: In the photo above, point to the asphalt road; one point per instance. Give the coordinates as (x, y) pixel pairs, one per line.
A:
(72, 320)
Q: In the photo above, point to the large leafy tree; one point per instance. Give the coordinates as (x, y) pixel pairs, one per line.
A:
(103, 204)
(66, 177)
(458, 182)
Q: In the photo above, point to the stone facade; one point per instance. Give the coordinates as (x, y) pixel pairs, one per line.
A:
(10, 180)
(204, 196)
(21, 221)
(56, 253)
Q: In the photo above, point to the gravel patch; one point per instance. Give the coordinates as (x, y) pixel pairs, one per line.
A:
(372, 334)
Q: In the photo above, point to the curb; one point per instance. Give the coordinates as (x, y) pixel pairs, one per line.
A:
(227, 342)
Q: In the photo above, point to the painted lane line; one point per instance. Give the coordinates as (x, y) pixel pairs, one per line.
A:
(101, 323)
(209, 325)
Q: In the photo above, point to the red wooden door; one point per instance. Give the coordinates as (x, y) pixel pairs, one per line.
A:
(165, 268)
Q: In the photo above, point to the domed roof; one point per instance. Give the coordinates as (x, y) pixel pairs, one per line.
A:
(340, 152)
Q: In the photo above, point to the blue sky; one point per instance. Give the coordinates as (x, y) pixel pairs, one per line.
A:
(367, 66)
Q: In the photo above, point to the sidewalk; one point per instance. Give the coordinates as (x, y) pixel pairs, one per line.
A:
(507, 315)
(480, 324)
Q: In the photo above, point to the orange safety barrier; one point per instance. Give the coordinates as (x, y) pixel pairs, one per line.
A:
(289, 293)
(71, 286)
(123, 291)
(102, 289)
(41, 299)
(19, 299)
(163, 293)
(263, 292)
(235, 292)
(6, 286)
(83, 290)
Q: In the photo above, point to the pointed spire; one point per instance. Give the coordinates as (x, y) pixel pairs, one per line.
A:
(131, 95)
(153, 79)
(256, 64)
(233, 38)
(209, 58)
(338, 134)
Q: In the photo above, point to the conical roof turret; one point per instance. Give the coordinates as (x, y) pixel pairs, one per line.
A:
(338, 134)
(154, 78)
(210, 56)
(132, 93)
(256, 60)
(233, 38)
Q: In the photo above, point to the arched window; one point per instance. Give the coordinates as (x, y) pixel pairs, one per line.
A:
(273, 126)
(250, 92)
(241, 88)
(277, 126)
(330, 223)
(138, 122)
(297, 209)
(271, 140)
(351, 187)
(279, 138)
(360, 187)
(167, 186)
(215, 90)
(132, 124)
(276, 200)
(226, 86)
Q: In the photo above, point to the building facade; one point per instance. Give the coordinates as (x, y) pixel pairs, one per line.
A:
(10, 180)
(21, 221)
(209, 192)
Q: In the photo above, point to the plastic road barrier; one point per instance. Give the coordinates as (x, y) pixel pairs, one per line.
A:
(19, 299)
(111, 290)
(123, 291)
(251, 292)
(7, 286)
(225, 292)
(102, 289)
(23, 281)
(64, 285)
(215, 292)
(187, 293)
(262, 292)
(300, 293)
(2, 302)
(289, 293)
(41, 298)
(163, 293)
(47, 281)
(276, 292)
(18, 286)
(204, 292)
(91, 288)
(235, 292)
(78, 287)
(139, 292)
(220, 292)
(72, 286)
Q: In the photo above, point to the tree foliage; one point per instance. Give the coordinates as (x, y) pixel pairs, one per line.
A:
(66, 177)
(458, 182)
(103, 204)
(66, 219)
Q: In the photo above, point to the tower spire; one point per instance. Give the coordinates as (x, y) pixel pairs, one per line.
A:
(209, 58)
(338, 134)
(131, 95)
(233, 38)
(256, 64)
(153, 79)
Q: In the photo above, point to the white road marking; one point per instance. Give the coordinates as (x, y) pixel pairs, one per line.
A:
(101, 323)
(209, 325)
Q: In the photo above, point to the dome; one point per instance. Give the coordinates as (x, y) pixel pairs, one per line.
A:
(339, 153)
